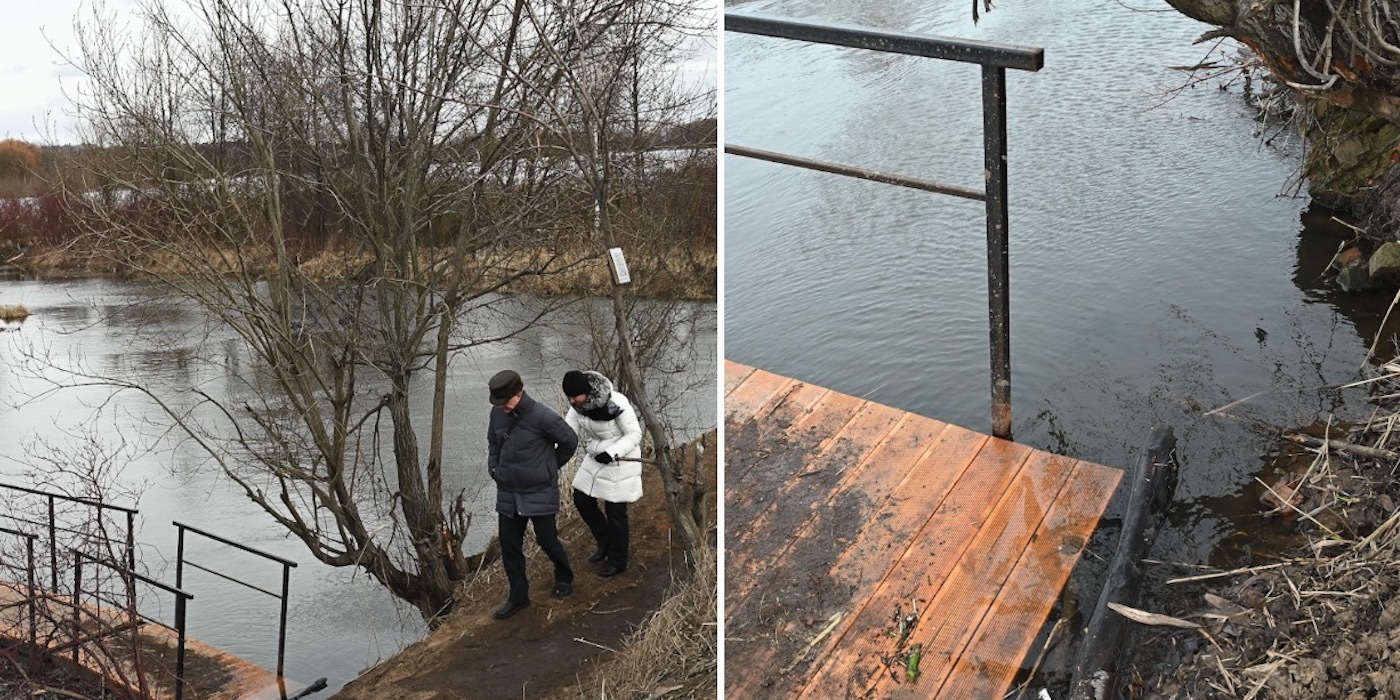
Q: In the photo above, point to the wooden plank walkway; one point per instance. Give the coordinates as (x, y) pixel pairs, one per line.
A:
(847, 521)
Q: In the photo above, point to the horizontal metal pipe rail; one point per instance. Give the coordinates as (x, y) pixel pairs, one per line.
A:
(287, 565)
(995, 59)
(984, 53)
(853, 171)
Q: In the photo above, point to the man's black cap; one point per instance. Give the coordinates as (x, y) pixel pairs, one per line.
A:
(505, 384)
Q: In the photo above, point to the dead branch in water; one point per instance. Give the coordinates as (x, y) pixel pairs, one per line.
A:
(1359, 450)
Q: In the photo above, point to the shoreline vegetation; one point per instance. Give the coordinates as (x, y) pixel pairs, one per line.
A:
(1321, 619)
(57, 221)
(668, 271)
(13, 313)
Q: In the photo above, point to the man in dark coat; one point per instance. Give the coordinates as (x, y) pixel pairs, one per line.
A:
(528, 443)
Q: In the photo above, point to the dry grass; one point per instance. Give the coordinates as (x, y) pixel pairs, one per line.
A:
(1323, 621)
(675, 272)
(674, 655)
(13, 314)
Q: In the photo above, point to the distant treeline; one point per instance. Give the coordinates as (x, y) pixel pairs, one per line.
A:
(672, 205)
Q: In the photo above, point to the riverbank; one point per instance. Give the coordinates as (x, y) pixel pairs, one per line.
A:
(648, 632)
(1321, 620)
(674, 271)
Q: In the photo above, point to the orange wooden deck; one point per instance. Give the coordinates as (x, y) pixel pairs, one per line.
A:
(844, 517)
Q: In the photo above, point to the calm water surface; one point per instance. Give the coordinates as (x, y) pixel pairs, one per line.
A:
(339, 621)
(1158, 269)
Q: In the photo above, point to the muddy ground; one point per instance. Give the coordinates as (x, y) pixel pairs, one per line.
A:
(1319, 621)
(556, 647)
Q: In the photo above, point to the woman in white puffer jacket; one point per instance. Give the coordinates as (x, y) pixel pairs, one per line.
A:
(610, 440)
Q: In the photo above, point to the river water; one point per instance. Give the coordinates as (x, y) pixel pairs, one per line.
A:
(339, 621)
(1160, 265)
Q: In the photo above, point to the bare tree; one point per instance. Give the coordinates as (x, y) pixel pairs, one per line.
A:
(407, 134)
(1346, 53)
(608, 109)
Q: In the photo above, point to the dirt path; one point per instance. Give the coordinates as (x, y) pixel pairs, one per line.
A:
(549, 646)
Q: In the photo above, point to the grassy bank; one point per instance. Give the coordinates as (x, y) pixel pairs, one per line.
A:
(663, 272)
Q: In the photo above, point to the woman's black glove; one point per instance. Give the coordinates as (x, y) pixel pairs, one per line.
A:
(603, 458)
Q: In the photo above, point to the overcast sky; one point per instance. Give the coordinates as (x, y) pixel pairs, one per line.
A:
(31, 72)
(33, 76)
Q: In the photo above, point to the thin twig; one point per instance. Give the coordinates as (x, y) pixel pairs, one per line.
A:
(1044, 651)
(1272, 669)
(1361, 450)
(1223, 574)
(581, 640)
(835, 619)
(1236, 402)
(1378, 532)
(1295, 509)
(1372, 351)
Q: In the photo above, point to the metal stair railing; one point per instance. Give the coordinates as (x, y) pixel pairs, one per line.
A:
(52, 526)
(130, 578)
(30, 588)
(287, 566)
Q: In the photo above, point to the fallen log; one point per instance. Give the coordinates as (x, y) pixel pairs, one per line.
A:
(1152, 484)
(1358, 450)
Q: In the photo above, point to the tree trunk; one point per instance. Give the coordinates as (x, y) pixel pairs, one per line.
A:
(1153, 484)
(676, 500)
(1346, 57)
(677, 503)
(421, 517)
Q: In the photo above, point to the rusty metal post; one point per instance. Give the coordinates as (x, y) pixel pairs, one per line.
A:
(180, 602)
(30, 593)
(998, 248)
(53, 545)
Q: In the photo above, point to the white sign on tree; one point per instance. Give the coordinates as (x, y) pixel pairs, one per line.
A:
(619, 267)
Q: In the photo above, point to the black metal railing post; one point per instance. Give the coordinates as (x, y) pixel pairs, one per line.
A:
(31, 586)
(180, 557)
(998, 245)
(53, 545)
(180, 601)
(131, 539)
(995, 59)
(282, 624)
(77, 606)
(287, 566)
(33, 604)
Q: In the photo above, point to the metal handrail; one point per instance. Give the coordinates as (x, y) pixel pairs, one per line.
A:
(995, 59)
(29, 539)
(130, 577)
(53, 527)
(127, 570)
(985, 53)
(287, 565)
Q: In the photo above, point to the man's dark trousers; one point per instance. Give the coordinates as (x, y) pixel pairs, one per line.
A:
(512, 534)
